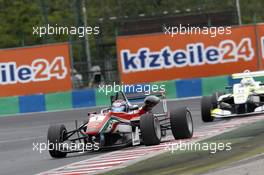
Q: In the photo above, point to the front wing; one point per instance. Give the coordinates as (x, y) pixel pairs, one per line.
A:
(219, 113)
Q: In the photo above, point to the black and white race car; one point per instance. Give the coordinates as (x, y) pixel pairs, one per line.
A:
(244, 98)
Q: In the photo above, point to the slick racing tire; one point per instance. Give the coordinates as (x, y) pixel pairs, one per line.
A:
(56, 135)
(181, 123)
(214, 98)
(150, 129)
(206, 106)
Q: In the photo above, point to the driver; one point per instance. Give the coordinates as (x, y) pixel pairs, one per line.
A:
(119, 106)
(248, 81)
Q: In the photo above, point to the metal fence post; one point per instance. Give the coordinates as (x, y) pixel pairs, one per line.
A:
(259, 63)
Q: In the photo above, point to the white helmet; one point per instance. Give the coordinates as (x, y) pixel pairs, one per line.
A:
(247, 81)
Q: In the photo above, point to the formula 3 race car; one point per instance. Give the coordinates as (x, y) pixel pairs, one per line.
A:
(122, 124)
(245, 98)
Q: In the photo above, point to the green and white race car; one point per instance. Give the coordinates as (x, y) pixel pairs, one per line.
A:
(244, 98)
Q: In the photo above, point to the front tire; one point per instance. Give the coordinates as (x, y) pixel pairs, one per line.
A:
(181, 123)
(56, 135)
(206, 106)
(150, 129)
(214, 98)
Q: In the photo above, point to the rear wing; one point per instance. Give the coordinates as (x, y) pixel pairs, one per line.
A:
(248, 74)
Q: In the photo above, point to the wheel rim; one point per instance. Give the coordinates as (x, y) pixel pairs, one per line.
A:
(63, 136)
(157, 128)
(189, 121)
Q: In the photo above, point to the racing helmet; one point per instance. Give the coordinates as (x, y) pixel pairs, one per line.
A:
(247, 81)
(119, 106)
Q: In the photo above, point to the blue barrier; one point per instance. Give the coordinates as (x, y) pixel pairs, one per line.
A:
(88, 97)
(31, 103)
(83, 98)
(188, 88)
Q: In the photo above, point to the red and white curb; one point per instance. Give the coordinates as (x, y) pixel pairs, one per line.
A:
(124, 157)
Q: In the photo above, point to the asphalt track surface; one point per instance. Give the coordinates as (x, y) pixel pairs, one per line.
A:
(18, 133)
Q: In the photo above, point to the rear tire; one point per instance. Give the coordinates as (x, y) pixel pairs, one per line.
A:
(56, 135)
(150, 129)
(181, 123)
(206, 106)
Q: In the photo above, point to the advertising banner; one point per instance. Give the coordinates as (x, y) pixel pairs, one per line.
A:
(157, 57)
(33, 70)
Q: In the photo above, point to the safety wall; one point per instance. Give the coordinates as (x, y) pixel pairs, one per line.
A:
(93, 97)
